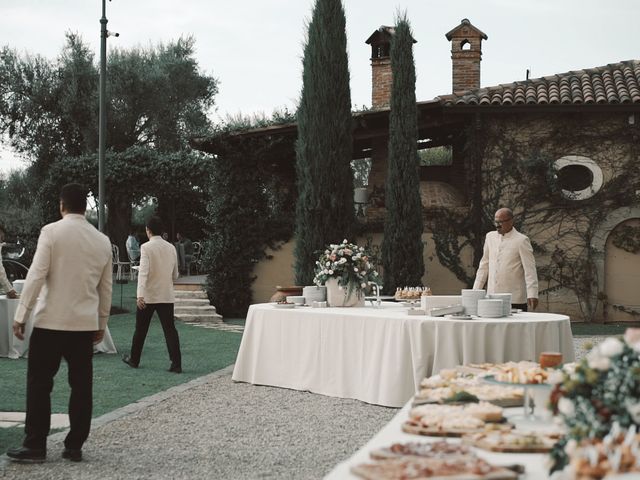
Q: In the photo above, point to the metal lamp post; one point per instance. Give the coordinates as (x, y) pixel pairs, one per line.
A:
(103, 116)
(102, 133)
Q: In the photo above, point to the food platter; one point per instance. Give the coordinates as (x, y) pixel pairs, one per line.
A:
(511, 442)
(492, 380)
(464, 468)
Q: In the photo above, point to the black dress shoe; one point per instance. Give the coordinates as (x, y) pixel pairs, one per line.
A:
(27, 455)
(175, 369)
(73, 454)
(127, 359)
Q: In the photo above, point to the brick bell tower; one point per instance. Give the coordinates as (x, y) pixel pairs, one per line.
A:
(381, 79)
(466, 54)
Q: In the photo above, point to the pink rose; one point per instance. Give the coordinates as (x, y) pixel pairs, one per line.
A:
(632, 337)
(332, 257)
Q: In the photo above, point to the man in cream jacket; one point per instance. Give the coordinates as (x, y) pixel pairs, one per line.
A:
(158, 270)
(507, 264)
(69, 283)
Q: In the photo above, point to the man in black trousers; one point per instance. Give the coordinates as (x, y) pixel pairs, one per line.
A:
(158, 270)
(69, 283)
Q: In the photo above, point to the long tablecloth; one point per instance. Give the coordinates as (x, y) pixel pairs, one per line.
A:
(380, 355)
(12, 347)
(536, 465)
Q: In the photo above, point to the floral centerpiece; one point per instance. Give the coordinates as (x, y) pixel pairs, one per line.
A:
(350, 266)
(602, 390)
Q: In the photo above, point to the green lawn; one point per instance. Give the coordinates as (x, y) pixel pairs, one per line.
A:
(116, 384)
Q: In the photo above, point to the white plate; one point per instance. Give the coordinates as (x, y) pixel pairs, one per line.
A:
(459, 317)
(284, 305)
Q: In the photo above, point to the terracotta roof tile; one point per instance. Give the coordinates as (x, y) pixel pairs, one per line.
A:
(613, 84)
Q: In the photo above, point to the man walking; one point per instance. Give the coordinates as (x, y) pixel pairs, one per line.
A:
(70, 279)
(507, 264)
(158, 270)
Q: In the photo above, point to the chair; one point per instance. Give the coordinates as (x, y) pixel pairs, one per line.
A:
(118, 264)
(134, 265)
(195, 258)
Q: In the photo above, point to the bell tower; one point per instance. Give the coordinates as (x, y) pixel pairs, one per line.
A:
(466, 54)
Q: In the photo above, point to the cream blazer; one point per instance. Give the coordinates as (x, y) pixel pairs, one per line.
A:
(69, 281)
(509, 266)
(158, 270)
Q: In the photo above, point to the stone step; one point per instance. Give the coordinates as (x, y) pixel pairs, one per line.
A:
(190, 294)
(208, 318)
(191, 302)
(204, 310)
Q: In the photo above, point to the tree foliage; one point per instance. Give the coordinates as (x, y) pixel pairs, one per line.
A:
(250, 207)
(402, 245)
(157, 99)
(324, 209)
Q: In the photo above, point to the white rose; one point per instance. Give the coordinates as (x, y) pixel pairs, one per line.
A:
(375, 274)
(571, 447)
(330, 272)
(598, 361)
(345, 241)
(611, 347)
(569, 368)
(355, 269)
(566, 407)
(325, 271)
(328, 263)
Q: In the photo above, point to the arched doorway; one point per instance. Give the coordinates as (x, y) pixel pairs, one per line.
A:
(622, 271)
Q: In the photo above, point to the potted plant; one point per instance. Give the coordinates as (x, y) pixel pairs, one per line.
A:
(346, 270)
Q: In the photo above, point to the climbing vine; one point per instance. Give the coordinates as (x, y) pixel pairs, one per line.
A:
(509, 161)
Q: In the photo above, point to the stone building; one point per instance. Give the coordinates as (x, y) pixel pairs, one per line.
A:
(561, 150)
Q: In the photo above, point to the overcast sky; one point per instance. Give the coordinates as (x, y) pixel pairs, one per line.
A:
(254, 47)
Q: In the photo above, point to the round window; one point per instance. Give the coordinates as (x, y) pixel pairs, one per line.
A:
(578, 177)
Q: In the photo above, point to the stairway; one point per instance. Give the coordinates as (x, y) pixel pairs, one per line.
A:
(192, 306)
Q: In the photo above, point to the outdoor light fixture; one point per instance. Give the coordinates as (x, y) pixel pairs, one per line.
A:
(102, 132)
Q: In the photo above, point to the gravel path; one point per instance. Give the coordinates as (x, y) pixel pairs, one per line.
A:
(215, 428)
(218, 429)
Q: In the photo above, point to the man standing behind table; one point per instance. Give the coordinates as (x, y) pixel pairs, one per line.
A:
(5, 284)
(508, 263)
(158, 270)
(70, 279)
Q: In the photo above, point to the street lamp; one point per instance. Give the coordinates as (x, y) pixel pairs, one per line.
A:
(102, 132)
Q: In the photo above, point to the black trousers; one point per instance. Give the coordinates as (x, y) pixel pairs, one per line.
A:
(521, 306)
(143, 320)
(46, 349)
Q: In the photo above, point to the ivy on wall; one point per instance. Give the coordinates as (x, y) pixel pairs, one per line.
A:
(627, 238)
(509, 161)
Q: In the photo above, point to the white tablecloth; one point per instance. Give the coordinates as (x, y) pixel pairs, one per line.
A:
(11, 347)
(380, 355)
(536, 467)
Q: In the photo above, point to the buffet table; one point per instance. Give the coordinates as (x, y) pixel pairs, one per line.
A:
(535, 464)
(380, 355)
(12, 347)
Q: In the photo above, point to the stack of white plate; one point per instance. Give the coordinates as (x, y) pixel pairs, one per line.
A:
(470, 299)
(506, 302)
(314, 293)
(491, 308)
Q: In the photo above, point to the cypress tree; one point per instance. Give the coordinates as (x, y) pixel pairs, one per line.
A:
(402, 244)
(324, 210)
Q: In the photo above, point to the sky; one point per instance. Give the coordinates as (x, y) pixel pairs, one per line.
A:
(254, 47)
